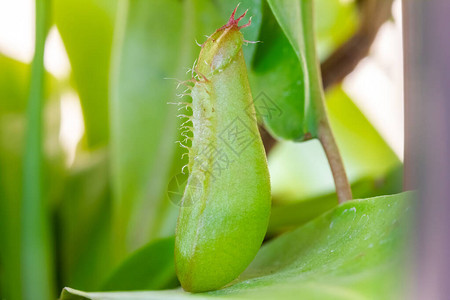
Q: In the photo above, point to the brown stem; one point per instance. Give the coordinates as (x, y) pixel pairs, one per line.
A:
(326, 138)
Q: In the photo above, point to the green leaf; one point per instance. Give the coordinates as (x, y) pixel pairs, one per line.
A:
(351, 252)
(284, 75)
(143, 125)
(286, 79)
(149, 268)
(36, 255)
(86, 28)
(277, 82)
(296, 21)
(354, 249)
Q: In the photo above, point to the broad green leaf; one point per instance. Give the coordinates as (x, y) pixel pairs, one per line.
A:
(300, 171)
(154, 41)
(284, 73)
(352, 252)
(142, 124)
(86, 28)
(149, 268)
(296, 20)
(147, 49)
(277, 82)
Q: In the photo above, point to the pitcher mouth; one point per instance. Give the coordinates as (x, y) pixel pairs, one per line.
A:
(234, 22)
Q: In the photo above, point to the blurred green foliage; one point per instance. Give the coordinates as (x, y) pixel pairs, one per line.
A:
(86, 28)
(14, 76)
(108, 210)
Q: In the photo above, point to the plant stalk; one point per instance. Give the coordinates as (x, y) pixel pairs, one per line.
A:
(37, 253)
(316, 93)
(331, 149)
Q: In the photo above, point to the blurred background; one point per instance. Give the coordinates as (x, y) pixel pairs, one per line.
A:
(109, 136)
